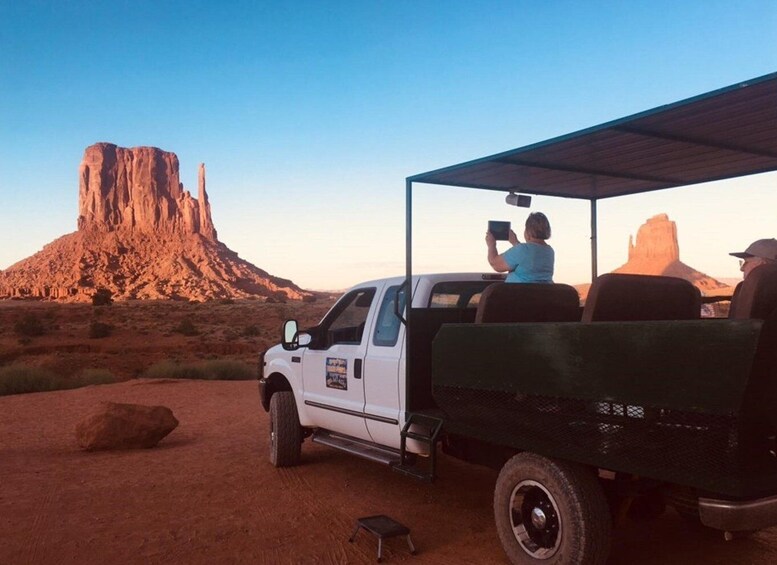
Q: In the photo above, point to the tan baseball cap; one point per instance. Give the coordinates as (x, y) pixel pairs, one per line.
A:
(763, 248)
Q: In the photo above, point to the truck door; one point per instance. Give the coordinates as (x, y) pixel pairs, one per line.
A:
(384, 367)
(333, 367)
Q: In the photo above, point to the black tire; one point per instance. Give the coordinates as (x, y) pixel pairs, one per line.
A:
(285, 431)
(557, 509)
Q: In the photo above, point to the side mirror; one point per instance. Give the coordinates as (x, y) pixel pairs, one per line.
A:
(290, 335)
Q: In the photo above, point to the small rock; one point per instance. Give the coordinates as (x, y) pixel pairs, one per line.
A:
(125, 426)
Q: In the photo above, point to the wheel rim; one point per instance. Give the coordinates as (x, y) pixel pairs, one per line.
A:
(535, 519)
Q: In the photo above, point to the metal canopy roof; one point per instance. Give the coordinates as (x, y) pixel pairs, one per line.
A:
(725, 133)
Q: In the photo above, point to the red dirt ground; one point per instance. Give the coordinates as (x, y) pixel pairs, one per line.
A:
(207, 494)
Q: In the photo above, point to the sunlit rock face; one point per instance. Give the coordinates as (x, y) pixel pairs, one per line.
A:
(140, 235)
(656, 241)
(139, 189)
(657, 252)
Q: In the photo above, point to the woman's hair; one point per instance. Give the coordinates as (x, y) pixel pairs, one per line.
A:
(537, 225)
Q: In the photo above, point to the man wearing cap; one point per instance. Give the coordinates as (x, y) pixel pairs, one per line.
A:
(757, 253)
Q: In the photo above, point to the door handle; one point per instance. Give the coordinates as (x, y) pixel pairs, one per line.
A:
(357, 368)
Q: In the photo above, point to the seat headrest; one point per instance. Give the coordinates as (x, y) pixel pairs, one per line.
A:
(756, 296)
(621, 297)
(528, 302)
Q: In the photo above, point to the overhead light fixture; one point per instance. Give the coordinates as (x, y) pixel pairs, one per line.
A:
(520, 200)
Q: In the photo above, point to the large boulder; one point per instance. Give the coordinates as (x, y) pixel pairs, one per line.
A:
(125, 426)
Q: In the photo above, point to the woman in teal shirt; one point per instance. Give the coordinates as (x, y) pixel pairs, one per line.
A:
(530, 262)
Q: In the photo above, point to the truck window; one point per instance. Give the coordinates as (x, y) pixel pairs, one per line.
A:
(387, 327)
(347, 323)
(457, 294)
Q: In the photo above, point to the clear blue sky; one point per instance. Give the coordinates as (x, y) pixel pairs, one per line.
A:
(309, 116)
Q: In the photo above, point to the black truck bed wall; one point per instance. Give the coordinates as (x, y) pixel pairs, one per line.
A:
(424, 324)
(685, 402)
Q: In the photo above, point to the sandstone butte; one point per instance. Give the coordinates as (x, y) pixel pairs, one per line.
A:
(140, 235)
(657, 252)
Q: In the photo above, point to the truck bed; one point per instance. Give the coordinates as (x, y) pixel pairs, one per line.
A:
(687, 402)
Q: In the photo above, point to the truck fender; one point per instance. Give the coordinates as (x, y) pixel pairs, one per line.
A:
(271, 384)
(283, 376)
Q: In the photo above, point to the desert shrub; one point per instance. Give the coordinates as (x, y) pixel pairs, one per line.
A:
(252, 330)
(102, 297)
(230, 334)
(230, 370)
(19, 379)
(97, 376)
(173, 370)
(277, 297)
(226, 301)
(29, 325)
(186, 327)
(212, 370)
(99, 329)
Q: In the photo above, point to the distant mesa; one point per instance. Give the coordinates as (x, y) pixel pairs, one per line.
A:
(141, 235)
(657, 252)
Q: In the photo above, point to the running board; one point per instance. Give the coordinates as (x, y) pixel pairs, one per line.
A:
(358, 447)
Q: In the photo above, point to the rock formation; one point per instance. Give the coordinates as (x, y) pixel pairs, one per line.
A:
(125, 426)
(656, 243)
(657, 252)
(140, 235)
(139, 189)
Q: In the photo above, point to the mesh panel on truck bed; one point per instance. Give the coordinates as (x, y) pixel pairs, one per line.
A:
(686, 402)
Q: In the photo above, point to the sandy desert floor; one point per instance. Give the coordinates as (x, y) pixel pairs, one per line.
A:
(207, 494)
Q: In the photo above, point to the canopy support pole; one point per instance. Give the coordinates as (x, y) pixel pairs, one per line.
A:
(408, 238)
(408, 287)
(594, 252)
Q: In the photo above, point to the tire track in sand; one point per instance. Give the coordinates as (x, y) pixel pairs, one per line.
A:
(336, 549)
(38, 535)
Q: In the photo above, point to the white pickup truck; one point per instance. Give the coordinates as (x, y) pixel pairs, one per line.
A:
(622, 406)
(343, 381)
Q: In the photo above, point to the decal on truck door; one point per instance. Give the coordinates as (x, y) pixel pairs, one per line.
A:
(337, 373)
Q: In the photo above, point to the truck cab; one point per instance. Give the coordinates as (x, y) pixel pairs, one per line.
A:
(347, 375)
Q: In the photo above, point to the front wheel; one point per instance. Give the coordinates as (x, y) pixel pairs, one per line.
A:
(285, 431)
(551, 512)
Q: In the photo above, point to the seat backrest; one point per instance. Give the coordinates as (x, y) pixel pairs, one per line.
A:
(756, 296)
(619, 297)
(528, 302)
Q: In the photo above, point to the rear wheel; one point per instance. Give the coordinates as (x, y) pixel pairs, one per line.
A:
(551, 512)
(285, 431)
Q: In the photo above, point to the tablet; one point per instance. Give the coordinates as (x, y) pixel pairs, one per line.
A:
(500, 230)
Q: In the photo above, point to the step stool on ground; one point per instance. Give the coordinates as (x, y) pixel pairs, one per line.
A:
(383, 527)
